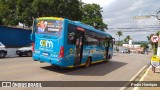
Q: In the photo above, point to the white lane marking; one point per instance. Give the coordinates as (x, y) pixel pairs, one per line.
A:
(145, 74)
(133, 78)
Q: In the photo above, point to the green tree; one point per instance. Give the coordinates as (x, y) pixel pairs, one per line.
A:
(70, 9)
(145, 46)
(57, 8)
(119, 33)
(8, 12)
(92, 16)
(154, 45)
(127, 38)
(14, 11)
(24, 12)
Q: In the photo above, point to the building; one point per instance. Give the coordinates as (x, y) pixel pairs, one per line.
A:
(14, 37)
(132, 45)
(135, 48)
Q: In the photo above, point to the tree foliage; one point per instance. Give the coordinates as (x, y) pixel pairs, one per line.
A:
(8, 12)
(23, 11)
(127, 38)
(119, 33)
(154, 45)
(14, 11)
(92, 16)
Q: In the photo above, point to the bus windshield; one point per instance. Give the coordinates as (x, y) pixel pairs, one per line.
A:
(49, 27)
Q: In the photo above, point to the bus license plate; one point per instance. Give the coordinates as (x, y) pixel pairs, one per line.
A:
(45, 54)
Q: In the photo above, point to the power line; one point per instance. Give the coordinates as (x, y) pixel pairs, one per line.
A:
(134, 31)
(131, 28)
(120, 29)
(130, 6)
(120, 19)
(132, 25)
(129, 18)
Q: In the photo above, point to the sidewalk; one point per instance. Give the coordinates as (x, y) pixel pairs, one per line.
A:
(150, 76)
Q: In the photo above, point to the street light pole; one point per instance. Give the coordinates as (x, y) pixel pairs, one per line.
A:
(158, 18)
(158, 49)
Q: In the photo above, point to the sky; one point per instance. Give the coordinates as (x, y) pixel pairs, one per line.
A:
(118, 14)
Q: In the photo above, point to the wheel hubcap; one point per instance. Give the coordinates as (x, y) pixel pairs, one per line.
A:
(2, 55)
(29, 54)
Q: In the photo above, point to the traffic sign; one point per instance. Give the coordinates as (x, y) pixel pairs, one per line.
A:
(142, 17)
(154, 38)
(155, 61)
(158, 15)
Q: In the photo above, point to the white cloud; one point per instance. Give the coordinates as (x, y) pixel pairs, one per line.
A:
(134, 4)
(102, 3)
(120, 13)
(112, 18)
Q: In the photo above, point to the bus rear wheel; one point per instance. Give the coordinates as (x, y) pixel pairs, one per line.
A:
(107, 59)
(88, 62)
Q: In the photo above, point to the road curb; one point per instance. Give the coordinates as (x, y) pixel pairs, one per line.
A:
(135, 77)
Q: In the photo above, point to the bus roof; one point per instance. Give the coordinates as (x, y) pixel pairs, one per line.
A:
(50, 18)
(91, 28)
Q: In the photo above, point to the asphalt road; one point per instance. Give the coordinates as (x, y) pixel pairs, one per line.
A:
(121, 68)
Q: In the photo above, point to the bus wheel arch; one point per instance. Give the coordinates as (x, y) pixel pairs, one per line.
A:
(88, 61)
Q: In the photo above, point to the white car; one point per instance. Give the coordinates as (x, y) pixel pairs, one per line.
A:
(126, 51)
(27, 51)
(3, 51)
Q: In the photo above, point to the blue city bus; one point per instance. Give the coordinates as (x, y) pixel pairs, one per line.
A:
(66, 43)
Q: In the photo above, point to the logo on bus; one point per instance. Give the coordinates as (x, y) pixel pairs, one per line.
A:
(46, 43)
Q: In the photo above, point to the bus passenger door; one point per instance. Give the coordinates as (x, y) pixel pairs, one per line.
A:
(79, 47)
(107, 47)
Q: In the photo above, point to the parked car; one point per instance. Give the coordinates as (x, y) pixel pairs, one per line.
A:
(25, 51)
(3, 51)
(126, 51)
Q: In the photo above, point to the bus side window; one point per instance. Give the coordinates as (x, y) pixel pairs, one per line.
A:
(86, 40)
(91, 40)
(71, 34)
(103, 43)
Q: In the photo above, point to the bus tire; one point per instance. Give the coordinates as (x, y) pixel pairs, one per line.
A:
(88, 62)
(107, 60)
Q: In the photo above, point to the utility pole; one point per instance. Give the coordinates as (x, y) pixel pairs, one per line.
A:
(158, 49)
(158, 18)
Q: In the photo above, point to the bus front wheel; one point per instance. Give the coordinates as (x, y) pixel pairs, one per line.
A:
(88, 62)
